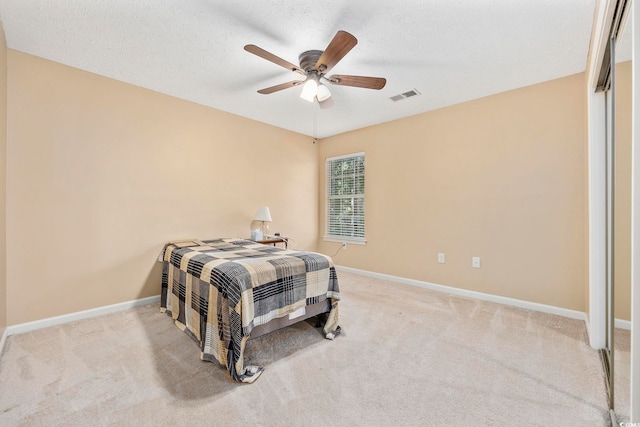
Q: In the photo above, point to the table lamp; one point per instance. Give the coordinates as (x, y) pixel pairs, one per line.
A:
(264, 216)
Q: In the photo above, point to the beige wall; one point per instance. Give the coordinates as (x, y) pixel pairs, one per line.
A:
(3, 181)
(102, 173)
(622, 268)
(502, 178)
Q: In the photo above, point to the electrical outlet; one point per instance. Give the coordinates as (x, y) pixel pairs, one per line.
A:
(344, 246)
(475, 262)
(441, 258)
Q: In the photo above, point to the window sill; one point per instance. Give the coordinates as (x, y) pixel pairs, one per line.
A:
(338, 239)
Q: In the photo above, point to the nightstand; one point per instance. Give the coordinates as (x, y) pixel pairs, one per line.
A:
(273, 241)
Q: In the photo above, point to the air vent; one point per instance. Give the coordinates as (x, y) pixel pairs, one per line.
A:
(405, 95)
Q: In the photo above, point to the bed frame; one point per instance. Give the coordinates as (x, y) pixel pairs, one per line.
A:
(314, 310)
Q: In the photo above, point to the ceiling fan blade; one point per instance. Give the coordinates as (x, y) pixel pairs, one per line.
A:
(341, 44)
(281, 86)
(251, 48)
(358, 81)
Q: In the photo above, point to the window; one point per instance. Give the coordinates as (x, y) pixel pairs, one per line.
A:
(345, 198)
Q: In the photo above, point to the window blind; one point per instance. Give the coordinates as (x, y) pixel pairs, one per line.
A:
(345, 198)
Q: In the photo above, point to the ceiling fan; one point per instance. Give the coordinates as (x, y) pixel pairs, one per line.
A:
(314, 65)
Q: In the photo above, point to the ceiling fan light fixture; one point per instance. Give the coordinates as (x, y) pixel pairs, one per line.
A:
(309, 90)
(323, 93)
(315, 64)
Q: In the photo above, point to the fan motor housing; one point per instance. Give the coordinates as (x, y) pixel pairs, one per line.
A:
(309, 59)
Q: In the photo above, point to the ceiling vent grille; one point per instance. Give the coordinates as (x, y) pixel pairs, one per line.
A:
(405, 95)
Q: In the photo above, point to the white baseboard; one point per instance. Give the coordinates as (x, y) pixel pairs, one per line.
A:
(572, 314)
(3, 339)
(623, 324)
(65, 318)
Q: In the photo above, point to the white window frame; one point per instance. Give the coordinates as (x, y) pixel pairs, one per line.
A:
(336, 237)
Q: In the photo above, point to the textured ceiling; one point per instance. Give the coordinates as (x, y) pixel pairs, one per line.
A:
(451, 51)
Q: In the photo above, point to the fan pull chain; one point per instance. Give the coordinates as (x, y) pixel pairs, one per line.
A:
(315, 123)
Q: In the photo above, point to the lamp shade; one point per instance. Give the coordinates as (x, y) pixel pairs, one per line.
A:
(309, 90)
(323, 93)
(263, 214)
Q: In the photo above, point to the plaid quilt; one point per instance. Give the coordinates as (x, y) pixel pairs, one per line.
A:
(218, 290)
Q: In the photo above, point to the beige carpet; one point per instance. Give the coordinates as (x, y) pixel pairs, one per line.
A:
(406, 356)
(622, 371)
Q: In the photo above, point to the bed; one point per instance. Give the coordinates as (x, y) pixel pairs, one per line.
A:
(222, 292)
